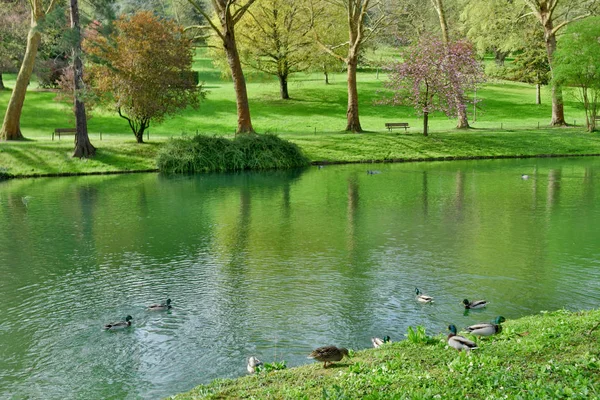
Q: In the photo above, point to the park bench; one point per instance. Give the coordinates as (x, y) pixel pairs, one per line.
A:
(64, 131)
(392, 125)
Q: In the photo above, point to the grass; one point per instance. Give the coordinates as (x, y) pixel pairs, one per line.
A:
(314, 118)
(551, 355)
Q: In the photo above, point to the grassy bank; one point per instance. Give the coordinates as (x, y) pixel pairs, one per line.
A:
(122, 154)
(551, 355)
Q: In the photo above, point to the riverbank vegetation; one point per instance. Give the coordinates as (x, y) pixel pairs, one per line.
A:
(551, 355)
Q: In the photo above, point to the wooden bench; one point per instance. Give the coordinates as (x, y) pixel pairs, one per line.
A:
(64, 131)
(392, 125)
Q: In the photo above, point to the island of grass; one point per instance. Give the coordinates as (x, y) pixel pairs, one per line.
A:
(551, 355)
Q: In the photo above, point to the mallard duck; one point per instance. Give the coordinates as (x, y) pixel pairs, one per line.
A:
(119, 325)
(378, 342)
(487, 329)
(459, 342)
(253, 362)
(423, 298)
(327, 354)
(471, 305)
(524, 176)
(160, 307)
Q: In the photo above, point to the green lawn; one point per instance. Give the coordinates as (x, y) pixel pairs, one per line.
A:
(552, 355)
(315, 117)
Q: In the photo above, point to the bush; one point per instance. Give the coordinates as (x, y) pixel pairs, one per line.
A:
(207, 154)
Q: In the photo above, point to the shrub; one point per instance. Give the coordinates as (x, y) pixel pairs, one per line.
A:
(206, 154)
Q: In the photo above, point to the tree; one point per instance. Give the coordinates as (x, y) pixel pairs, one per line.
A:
(531, 62)
(434, 76)
(438, 5)
(362, 23)
(577, 64)
(11, 126)
(274, 39)
(229, 13)
(83, 146)
(555, 15)
(144, 68)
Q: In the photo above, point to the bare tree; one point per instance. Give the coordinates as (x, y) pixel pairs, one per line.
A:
(362, 23)
(229, 13)
(11, 126)
(83, 146)
(554, 15)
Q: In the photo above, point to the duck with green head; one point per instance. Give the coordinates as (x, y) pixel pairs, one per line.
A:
(423, 298)
(473, 305)
(459, 342)
(160, 307)
(486, 329)
(328, 354)
(377, 342)
(113, 326)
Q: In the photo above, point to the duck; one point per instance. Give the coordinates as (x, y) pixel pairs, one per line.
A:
(471, 305)
(327, 354)
(459, 342)
(253, 363)
(486, 329)
(423, 298)
(160, 307)
(378, 342)
(524, 176)
(373, 172)
(119, 325)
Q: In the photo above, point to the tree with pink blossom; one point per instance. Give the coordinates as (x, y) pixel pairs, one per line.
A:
(433, 76)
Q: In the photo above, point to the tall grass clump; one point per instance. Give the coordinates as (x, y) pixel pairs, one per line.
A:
(216, 154)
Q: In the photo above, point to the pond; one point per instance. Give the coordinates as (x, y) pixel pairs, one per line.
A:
(274, 264)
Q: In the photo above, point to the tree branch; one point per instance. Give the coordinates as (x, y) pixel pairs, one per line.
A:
(240, 11)
(207, 18)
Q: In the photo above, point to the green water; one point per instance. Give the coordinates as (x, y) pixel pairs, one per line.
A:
(275, 264)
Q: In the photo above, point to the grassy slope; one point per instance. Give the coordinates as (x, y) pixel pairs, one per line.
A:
(552, 355)
(314, 118)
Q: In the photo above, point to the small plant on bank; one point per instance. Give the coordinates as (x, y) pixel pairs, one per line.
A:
(215, 154)
(418, 336)
(274, 366)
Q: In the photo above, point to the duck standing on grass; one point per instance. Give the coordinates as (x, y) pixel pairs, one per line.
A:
(119, 325)
(253, 363)
(160, 307)
(487, 329)
(459, 342)
(473, 305)
(378, 342)
(423, 298)
(328, 354)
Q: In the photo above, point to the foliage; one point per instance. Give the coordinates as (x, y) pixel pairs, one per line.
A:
(551, 355)
(531, 62)
(269, 367)
(434, 77)
(577, 63)
(143, 67)
(205, 154)
(418, 336)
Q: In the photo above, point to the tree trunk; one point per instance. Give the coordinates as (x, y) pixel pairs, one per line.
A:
(425, 123)
(139, 134)
(439, 8)
(499, 57)
(239, 82)
(1, 82)
(283, 87)
(326, 77)
(463, 121)
(83, 146)
(11, 127)
(558, 112)
(352, 113)
(538, 93)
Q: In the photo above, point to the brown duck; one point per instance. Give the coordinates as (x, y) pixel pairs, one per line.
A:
(327, 354)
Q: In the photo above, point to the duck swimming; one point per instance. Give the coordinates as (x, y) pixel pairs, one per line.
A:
(378, 342)
(253, 363)
(119, 325)
(472, 305)
(160, 307)
(423, 298)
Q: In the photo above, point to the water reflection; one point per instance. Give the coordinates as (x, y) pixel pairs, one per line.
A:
(274, 264)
